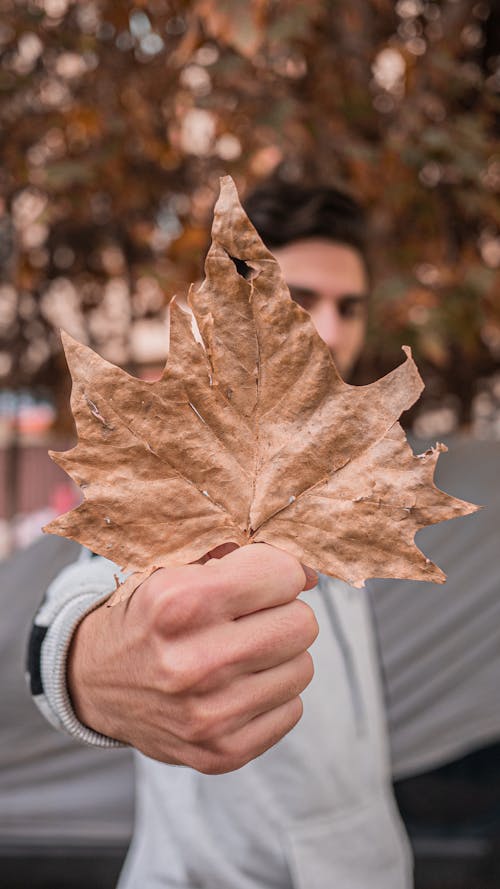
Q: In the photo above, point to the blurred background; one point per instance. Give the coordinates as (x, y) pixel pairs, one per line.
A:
(118, 119)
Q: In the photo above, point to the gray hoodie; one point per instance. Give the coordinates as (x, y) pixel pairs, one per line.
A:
(314, 812)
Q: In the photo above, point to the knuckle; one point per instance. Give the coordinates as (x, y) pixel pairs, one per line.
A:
(200, 723)
(149, 592)
(193, 667)
(155, 592)
(182, 604)
(180, 675)
(176, 599)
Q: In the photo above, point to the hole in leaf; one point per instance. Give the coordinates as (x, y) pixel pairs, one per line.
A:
(246, 271)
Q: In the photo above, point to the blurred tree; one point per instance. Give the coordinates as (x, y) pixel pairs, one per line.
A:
(119, 118)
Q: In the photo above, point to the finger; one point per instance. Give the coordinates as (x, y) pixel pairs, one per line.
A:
(254, 577)
(210, 750)
(266, 690)
(229, 709)
(252, 643)
(235, 750)
(249, 579)
(225, 548)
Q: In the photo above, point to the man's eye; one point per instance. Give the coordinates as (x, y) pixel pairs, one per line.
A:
(351, 308)
(306, 300)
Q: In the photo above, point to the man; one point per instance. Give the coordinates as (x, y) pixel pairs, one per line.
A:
(438, 646)
(206, 665)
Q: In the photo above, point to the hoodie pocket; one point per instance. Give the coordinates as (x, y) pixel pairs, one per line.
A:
(361, 848)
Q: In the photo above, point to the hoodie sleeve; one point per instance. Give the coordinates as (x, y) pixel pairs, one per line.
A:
(75, 592)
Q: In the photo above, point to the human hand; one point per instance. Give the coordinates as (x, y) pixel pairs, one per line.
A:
(204, 665)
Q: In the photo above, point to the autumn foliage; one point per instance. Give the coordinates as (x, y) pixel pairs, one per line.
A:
(121, 117)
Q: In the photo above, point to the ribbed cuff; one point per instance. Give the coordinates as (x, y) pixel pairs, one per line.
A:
(54, 658)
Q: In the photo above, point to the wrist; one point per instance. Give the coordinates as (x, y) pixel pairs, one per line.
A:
(84, 674)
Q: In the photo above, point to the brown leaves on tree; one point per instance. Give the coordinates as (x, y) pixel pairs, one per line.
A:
(250, 436)
(239, 24)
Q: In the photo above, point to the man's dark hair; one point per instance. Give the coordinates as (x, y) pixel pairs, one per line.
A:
(283, 212)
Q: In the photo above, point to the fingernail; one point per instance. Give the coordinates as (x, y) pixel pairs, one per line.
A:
(311, 575)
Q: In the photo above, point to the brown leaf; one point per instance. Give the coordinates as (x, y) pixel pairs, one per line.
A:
(251, 436)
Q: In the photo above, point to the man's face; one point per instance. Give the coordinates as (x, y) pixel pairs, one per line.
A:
(329, 280)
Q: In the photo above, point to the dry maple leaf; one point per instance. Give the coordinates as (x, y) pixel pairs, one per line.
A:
(250, 436)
